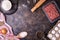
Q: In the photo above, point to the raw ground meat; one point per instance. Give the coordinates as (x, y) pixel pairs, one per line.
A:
(51, 11)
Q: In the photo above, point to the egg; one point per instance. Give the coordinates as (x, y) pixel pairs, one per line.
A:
(4, 30)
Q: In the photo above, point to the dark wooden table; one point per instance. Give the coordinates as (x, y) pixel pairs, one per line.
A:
(24, 20)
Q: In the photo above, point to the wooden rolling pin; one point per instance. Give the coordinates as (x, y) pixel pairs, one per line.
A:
(40, 2)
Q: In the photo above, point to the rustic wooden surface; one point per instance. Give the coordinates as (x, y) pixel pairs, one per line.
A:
(24, 20)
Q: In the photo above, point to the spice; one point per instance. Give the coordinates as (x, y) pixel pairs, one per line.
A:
(40, 34)
(1, 23)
